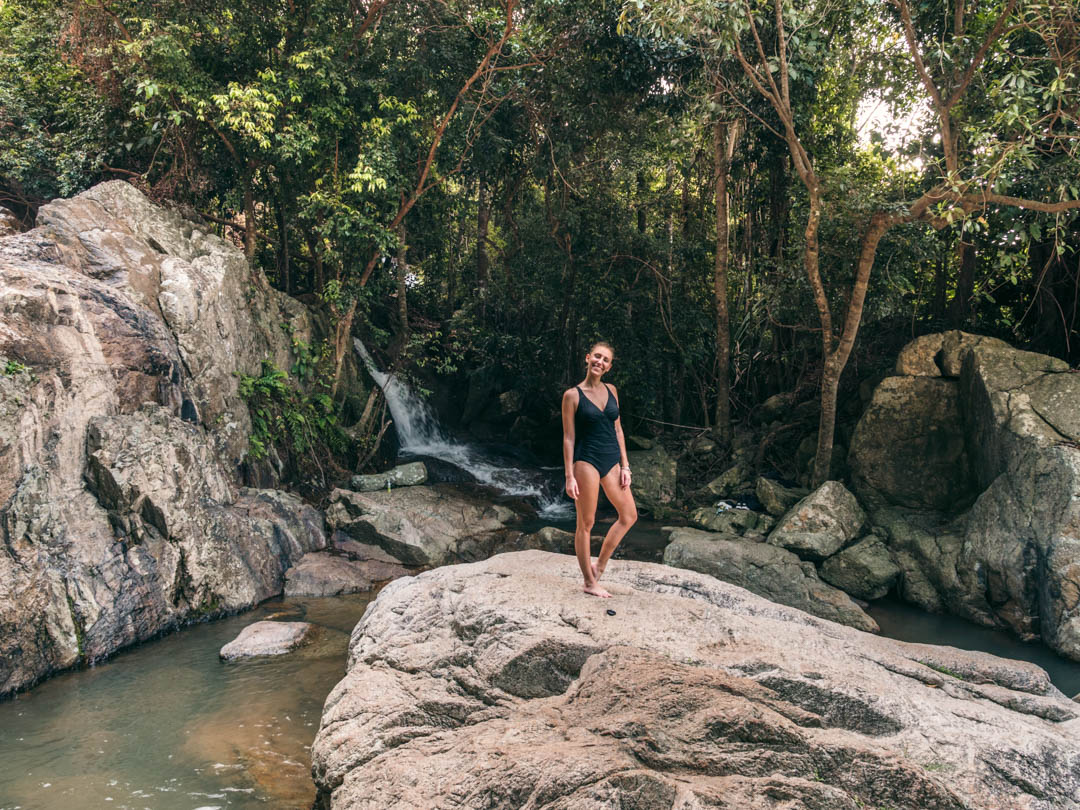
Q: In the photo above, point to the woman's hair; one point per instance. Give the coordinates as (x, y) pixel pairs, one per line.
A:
(604, 344)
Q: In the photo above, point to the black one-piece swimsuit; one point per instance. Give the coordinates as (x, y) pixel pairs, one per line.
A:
(594, 433)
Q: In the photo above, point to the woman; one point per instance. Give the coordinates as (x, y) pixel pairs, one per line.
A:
(594, 454)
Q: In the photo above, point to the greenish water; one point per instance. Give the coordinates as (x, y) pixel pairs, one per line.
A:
(908, 623)
(167, 725)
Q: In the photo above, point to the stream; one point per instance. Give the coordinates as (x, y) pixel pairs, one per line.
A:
(166, 725)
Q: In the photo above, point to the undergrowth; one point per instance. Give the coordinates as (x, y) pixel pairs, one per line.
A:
(294, 415)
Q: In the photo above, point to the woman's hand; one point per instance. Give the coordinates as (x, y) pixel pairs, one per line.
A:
(572, 487)
(624, 477)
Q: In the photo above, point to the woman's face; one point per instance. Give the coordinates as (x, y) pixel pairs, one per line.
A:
(598, 360)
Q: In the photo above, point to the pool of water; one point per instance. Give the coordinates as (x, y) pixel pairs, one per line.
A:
(908, 623)
(167, 725)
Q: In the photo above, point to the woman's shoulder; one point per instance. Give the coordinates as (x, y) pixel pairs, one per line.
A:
(570, 394)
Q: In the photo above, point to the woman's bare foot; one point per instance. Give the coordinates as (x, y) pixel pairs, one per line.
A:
(596, 590)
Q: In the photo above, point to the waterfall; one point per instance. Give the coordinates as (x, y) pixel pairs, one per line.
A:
(420, 434)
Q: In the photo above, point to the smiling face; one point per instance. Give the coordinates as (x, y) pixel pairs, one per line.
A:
(598, 360)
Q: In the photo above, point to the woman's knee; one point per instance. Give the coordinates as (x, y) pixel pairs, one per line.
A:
(585, 524)
(628, 515)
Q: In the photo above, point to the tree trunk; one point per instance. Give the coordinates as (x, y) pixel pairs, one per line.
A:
(965, 285)
(725, 135)
(941, 279)
(836, 361)
(402, 271)
(483, 217)
(249, 219)
(284, 271)
(641, 201)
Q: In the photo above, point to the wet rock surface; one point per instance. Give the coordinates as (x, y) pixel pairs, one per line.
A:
(499, 684)
(267, 638)
(119, 519)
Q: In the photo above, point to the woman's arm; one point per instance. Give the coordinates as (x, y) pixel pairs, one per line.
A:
(569, 406)
(624, 460)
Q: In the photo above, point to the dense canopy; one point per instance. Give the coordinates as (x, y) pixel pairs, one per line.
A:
(746, 198)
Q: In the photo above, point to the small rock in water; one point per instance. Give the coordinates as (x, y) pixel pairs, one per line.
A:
(267, 638)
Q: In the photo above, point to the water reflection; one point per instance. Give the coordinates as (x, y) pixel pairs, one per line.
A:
(167, 725)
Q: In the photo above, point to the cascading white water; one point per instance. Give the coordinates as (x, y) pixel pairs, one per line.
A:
(419, 433)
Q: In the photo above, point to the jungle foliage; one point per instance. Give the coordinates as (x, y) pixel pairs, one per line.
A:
(483, 187)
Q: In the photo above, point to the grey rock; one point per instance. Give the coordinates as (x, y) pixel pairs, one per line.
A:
(926, 548)
(920, 357)
(499, 684)
(775, 497)
(733, 521)
(733, 481)
(956, 345)
(770, 572)
(351, 549)
(556, 540)
(417, 525)
(9, 223)
(909, 448)
(865, 570)
(267, 638)
(404, 475)
(820, 524)
(654, 474)
(123, 520)
(639, 443)
(509, 403)
(775, 406)
(940, 354)
(324, 574)
(702, 446)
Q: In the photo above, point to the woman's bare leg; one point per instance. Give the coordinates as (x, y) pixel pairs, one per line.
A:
(588, 491)
(623, 501)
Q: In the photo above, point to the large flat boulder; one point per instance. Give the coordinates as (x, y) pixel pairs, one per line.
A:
(419, 525)
(768, 571)
(121, 520)
(499, 684)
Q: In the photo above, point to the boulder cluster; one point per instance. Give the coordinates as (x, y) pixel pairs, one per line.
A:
(123, 510)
